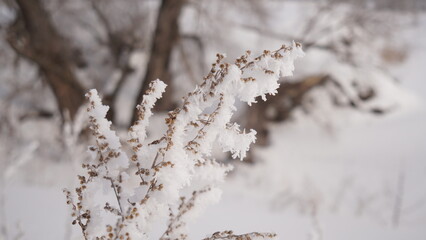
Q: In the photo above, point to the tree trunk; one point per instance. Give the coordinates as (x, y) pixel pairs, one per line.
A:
(34, 37)
(165, 37)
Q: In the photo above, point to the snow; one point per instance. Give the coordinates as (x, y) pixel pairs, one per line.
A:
(140, 127)
(184, 150)
(339, 182)
(349, 172)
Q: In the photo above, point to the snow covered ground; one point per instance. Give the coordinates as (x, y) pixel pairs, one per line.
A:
(362, 179)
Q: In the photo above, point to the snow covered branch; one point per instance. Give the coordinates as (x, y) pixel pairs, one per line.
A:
(229, 235)
(121, 197)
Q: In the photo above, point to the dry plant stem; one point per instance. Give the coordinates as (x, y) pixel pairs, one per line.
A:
(214, 81)
(206, 95)
(155, 160)
(229, 235)
(215, 77)
(170, 132)
(113, 185)
(205, 124)
(117, 197)
(184, 207)
(186, 145)
(78, 217)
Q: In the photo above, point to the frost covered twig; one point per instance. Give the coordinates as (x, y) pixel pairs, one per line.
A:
(121, 197)
(229, 235)
(177, 221)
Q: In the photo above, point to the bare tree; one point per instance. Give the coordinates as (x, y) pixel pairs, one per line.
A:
(165, 37)
(34, 37)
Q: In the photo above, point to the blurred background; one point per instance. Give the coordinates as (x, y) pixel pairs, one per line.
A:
(341, 149)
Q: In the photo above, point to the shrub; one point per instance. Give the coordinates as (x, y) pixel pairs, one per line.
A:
(173, 177)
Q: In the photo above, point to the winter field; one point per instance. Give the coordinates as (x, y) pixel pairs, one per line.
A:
(361, 179)
(330, 174)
